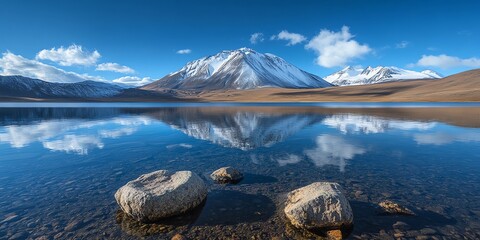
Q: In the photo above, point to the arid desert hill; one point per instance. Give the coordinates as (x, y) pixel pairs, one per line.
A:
(460, 87)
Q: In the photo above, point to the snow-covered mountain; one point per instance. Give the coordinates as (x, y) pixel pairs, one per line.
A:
(18, 86)
(238, 69)
(360, 76)
(240, 129)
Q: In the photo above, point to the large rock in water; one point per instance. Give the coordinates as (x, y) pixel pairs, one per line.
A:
(161, 194)
(227, 175)
(320, 205)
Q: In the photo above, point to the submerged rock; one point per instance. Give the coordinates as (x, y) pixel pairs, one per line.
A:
(334, 234)
(401, 226)
(389, 207)
(320, 205)
(161, 194)
(227, 175)
(179, 237)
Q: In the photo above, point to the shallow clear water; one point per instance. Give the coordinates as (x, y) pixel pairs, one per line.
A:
(59, 167)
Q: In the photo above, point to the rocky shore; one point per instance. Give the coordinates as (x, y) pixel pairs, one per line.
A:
(252, 208)
(320, 208)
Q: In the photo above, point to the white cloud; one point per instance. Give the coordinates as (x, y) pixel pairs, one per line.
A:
(11, 64)
(114, 67)
(134, 81)
(292, 38)
(333, 150)
(184, 51)
(402, 44)
(73, 55)
(256, 38)
(445, 61)
(336, 49)
(79, 144)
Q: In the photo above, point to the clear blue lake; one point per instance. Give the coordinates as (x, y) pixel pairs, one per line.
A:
(60, 165)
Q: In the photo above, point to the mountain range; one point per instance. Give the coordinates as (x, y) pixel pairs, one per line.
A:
(18, 86)
(243, 68)
(247, 75)
(370, 75)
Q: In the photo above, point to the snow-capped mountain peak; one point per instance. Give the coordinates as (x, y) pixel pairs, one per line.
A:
(347, 72)
(361, 76)
(432, 73)
(243, 68)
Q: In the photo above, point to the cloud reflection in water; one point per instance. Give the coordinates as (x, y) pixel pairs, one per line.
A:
(352, 123)
(333, 150)
(71, 135)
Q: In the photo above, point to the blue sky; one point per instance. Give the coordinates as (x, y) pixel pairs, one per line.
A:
(140, 40)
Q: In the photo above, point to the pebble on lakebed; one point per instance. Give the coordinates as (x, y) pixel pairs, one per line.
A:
(392, 208)
(161, 194)
(227, 175)
(320, 205)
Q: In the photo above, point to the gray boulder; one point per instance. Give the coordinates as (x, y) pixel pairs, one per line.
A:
(227, 175)
(320, 205)
(161, 194)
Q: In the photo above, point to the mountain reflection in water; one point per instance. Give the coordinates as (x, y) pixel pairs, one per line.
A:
(78, 130)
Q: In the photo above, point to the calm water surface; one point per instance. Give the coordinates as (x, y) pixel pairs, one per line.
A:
(60, 167)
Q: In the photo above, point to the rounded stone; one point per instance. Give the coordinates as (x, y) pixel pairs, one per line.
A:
(161, 194)
(320, 205)
(227, 175)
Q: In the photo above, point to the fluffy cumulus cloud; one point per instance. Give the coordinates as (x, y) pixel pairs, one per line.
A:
(292, 38)
(73, 55)
(133, 80)
(184, 51)
(114, 67)
(256, 38)
(11, 64)
(445, 61)
(336, 49)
